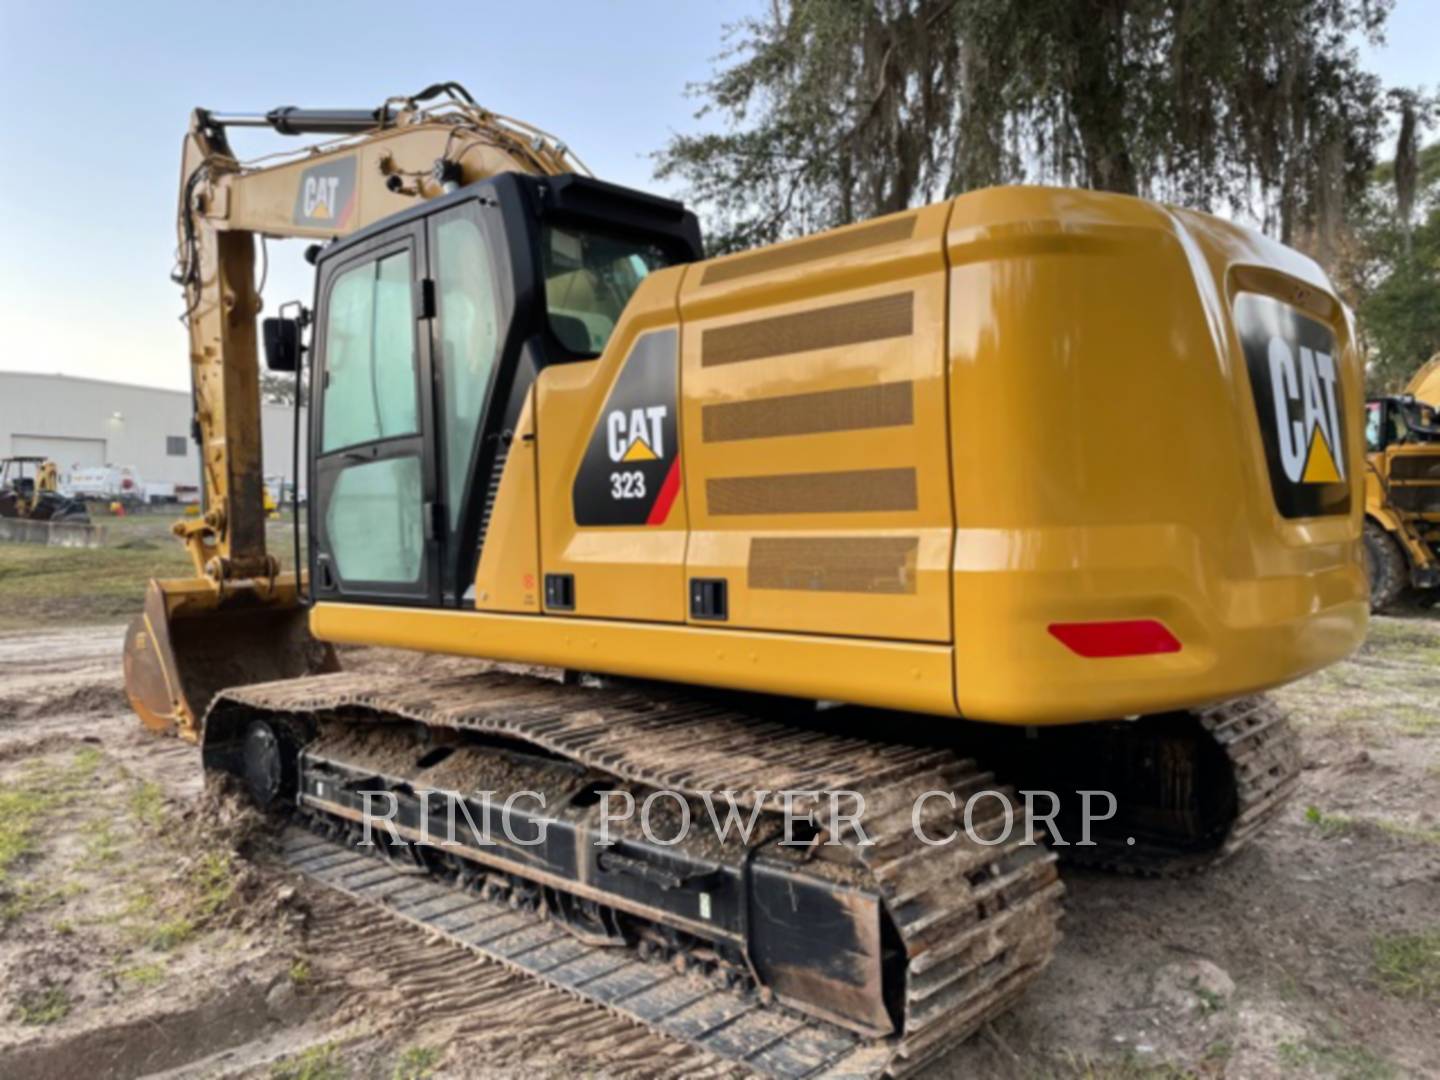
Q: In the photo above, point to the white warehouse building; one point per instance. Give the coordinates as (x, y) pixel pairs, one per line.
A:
(85, 423)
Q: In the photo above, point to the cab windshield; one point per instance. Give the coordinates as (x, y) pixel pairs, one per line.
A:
(589, 278)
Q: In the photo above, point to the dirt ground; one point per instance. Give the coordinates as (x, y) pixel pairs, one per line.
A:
(144, 931)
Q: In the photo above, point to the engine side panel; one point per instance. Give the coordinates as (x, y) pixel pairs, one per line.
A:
(815, 431)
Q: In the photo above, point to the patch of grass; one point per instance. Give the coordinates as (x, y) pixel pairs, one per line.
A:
(1210, 1001)
(1218, 1052)
(416, 1063)
(30, 897)
(1355, 715)
(1418, 723)
(1344, 1061)
(140, 904)
(1329, 825)
(73, 585)
(169, 920)
(39, 790)
(317, 1063)
(147, 804)
(1408, 965)
(213, 879)
(53, 586)
(1409, 832)
(1332, 825)
(47, 1006)
(1396, 635)
(143, 974)
(170, 934)
(300, 973)
(102, 845)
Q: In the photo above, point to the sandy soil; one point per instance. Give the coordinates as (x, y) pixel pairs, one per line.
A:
(142, 930)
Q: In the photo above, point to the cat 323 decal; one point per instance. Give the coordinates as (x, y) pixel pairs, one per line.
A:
(630, 474)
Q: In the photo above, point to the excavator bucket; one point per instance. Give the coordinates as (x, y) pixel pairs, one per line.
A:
(192, 642)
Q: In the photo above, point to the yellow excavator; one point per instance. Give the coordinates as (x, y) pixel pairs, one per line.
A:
(1402, 491)
(1029, 489)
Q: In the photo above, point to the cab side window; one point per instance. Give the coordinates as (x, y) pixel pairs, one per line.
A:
(373, 519)
(467, 343)
(370, 390)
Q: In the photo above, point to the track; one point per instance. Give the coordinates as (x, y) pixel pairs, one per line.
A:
(976, 924)
(489, 1013)
(721, 1025)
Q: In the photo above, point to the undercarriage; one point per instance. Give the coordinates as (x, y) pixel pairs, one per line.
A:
(857, 942)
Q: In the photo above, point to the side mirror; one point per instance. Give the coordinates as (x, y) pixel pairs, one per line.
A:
(282, 344)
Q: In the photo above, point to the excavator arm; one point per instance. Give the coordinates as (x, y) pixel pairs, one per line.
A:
(378, 162)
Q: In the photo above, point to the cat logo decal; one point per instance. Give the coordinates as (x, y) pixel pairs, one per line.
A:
(1294, 364)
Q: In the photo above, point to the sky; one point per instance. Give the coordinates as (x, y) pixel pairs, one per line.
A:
(98, 96)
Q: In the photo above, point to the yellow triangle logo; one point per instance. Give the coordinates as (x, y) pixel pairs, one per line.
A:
(1320, 466)
(320, 211)
(640, 451)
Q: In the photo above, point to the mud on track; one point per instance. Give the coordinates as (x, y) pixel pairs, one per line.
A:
(1314, 953)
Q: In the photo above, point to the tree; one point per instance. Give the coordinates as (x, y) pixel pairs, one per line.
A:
(279, 389)
(1389, 271)
(839, 110)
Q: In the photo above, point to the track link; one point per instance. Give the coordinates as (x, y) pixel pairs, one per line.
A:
(976, 923)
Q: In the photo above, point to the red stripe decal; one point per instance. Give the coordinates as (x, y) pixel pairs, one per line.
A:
(343, 218)
(668, 490)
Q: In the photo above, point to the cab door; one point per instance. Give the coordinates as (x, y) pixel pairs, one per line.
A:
(377, 534)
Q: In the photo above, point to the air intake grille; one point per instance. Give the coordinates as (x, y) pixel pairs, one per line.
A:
(886, 405)
(861, 490)
(858, 564)
(823, 328)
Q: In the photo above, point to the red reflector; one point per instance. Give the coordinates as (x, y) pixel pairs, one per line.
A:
(1126, 637)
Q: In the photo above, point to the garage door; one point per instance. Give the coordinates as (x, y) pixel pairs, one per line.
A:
(66, 453)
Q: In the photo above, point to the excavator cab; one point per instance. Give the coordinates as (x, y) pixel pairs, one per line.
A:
(430, 329)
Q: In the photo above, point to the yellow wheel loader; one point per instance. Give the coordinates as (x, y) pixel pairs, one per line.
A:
(1402, 491)
(1032, 490)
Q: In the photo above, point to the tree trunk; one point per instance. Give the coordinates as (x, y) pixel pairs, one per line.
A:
(1097, 95)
